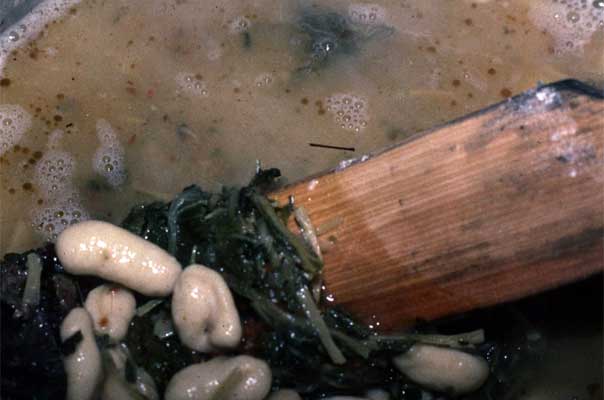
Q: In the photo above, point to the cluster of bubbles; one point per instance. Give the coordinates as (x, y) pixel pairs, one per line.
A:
(109, 158)
(31, 25)
(61, 205)
(349, 111)
(239, 25)
(263, 80)
(54, 172)
(570, 22)
(191, 85)
(51, 220)
(367, 14)
(14, 122)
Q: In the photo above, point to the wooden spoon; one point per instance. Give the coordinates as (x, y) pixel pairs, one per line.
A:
(498, 205)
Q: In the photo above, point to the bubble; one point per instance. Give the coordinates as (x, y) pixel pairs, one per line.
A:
(191, 85)
(573, 17)
(51, 179)
(13, 36)
(109, 158)
(264, 79)
(367, 14)
(15, 122)
(31, 25)
(570, 23)
(349, 111)
(239, 25)
(51, 220)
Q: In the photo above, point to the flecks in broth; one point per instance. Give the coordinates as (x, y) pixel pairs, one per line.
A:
(120, 101)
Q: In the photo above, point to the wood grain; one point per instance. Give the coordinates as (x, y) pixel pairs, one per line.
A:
(496, 206)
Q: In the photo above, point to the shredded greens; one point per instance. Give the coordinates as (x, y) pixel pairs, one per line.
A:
(243, 235)
(275, 276)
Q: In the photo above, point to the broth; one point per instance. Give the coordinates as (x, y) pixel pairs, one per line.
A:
(195, 92)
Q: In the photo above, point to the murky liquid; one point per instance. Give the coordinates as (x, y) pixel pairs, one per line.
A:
(196, 92)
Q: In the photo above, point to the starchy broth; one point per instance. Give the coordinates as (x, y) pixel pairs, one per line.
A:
(122, 101)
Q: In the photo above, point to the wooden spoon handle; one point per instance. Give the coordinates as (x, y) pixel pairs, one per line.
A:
(495, 206)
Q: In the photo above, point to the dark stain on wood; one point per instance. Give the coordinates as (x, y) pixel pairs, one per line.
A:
(481, 140)
(568, 246)
(446, 258)
(578, 242)
(472, 225)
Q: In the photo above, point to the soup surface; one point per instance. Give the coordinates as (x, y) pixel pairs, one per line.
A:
(122, 101)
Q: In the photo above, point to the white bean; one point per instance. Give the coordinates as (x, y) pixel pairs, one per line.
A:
(83, 367)
(112, 253)
(111, 308)
(446, 370)
(203, 310)
(237, 378)
(377, 394)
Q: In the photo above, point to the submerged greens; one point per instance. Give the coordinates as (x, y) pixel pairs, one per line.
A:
(330, 36)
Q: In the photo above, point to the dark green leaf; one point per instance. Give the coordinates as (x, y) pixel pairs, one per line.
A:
(69, 345)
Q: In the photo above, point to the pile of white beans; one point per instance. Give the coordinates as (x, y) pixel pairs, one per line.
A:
(205, 318)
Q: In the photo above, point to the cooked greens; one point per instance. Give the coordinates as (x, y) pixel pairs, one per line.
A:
(31, 347)
(244, 236)
(311, 348)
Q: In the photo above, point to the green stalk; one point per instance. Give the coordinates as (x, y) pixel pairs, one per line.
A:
(148, 306)
(462, 340)
(361, 348)
(310, 262)
(31, 293)
(315, 318)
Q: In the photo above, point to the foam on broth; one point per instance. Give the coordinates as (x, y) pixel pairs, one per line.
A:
(195, 92)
